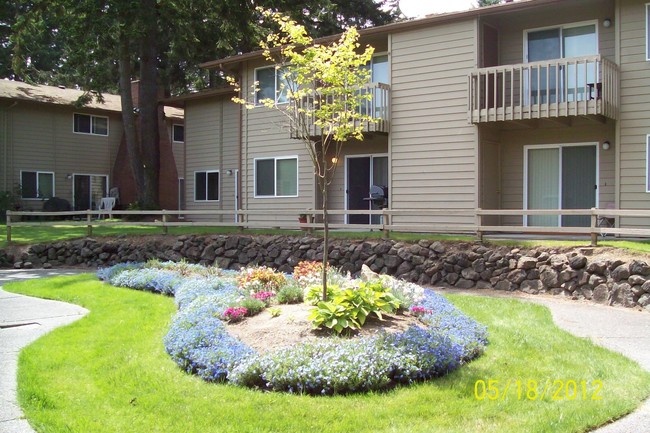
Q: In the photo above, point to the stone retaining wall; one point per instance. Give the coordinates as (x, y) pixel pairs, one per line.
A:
(460, 265)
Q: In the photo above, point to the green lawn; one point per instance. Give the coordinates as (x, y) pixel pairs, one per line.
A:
(37, 234)
(41, 234)
(109, 373)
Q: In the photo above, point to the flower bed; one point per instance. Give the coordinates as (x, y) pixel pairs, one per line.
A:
(199, 342)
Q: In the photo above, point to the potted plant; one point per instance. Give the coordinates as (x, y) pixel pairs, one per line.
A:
(302, 218)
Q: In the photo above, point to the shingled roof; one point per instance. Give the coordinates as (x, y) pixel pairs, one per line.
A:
(16, 90)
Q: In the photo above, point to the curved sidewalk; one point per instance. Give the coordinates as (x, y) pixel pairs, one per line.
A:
(622, 330)
(619, 329)
(22, 320)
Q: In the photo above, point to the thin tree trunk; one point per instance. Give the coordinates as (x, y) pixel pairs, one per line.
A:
(323, 183)
(149, 104)
(128, 116)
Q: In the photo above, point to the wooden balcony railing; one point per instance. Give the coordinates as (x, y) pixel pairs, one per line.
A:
(378, 107)
(579, 86)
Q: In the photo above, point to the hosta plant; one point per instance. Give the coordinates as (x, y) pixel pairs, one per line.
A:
(349, 308)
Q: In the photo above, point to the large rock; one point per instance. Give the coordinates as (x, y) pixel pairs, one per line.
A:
(470, 274)
(638, 267)
(531, 286)
(598, 267)
(644, 300)
(526, 263)
(600, 294)
(549, 277)
(621, 273)
(578, 261)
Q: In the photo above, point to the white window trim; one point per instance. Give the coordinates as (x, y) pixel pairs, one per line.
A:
(108, 125)
(275, 171)
(647, 163)
(182, 126)
(194, 199)
(647, 31)
(276, 68)
(37, 173)
(561, 27)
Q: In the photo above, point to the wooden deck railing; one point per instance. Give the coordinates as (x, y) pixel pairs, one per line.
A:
(378, 107)
(576, 86)
(390, 221)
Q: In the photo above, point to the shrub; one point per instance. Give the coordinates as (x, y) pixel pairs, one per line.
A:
(290, 293)
(350, 308)
(252, 305)
(260, 279)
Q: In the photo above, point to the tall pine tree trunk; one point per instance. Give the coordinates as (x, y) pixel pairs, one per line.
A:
(149, 104)
(128, 116)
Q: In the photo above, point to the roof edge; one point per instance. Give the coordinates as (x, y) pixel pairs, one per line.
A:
(402, 26)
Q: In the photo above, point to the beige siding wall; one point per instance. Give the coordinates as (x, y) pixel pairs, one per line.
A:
(211, 140)
(433, 147)
(512, 159)
(267, 135)
(41, 138)
(634, 116)
(511, 29)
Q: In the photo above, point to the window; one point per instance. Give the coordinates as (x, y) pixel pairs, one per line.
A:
(178, 133)
(206, 186)
(271, 84)
(37, 184)
(647, 164)
(276, 177)
(87, 124)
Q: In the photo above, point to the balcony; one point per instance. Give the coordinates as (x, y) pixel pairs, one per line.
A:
(378, 107)
(580, 86)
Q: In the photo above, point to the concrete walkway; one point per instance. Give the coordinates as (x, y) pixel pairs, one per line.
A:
(622, 330)
(23, 320)
(619, 329)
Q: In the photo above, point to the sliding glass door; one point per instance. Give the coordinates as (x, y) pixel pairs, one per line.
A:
(89, 190)
(550, 84)
(561, 177)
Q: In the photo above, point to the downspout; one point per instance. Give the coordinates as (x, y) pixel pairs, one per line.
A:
(5, 140)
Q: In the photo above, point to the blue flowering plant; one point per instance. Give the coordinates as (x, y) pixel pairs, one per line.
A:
(200, 343)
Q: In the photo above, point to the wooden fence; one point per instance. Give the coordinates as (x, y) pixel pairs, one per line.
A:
(242, 219)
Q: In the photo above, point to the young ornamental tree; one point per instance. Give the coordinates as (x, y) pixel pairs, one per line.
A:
(328, 104)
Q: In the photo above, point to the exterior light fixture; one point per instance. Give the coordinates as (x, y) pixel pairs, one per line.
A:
(335, 160)
(229, 172)
(607, 23)
(606, 145)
